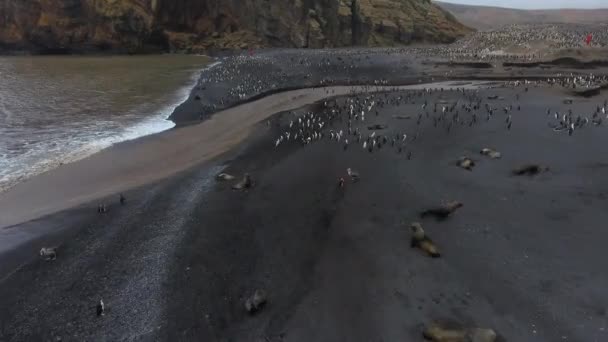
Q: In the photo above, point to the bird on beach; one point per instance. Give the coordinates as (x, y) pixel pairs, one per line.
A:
(466, 163)
(100, 308)
(354, 175)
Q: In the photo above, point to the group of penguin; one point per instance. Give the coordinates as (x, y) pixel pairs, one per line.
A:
(354, 111)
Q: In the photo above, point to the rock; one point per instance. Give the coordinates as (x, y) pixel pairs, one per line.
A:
(256, 302)
(530, 170)
(48, 253)
(155, 25)
(377, 127)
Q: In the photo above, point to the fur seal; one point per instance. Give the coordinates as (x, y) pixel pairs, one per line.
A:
(245, 183)
(437, 333)
(466, 163)
(420, 240)
(224, 177)
(255, 303)
(442, 212)
(100, 308)
(490, 153)
(48, 253)
(530, 170)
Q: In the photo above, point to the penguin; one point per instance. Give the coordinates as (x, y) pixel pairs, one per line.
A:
(466, 163)
(341, 182)
(224, 177)
(245, 183)
(490, 153)
(123, 200)
(423, 242)
(100, 308)
(443, 212)
(530, 170)
(354, 175)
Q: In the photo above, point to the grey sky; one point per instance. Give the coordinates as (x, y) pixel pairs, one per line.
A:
(536, 4)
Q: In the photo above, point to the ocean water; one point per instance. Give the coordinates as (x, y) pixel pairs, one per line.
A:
(56, 110)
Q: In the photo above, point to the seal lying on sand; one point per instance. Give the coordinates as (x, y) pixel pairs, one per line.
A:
(530, 170)
(48, 253)
(255, 303)
(245, 183)
(420, 240)
(466, 163)
(442, 212)
(436, 333)
(490, 153)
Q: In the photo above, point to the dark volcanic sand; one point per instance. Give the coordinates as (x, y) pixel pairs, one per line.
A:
(524, 256)
(241, 78)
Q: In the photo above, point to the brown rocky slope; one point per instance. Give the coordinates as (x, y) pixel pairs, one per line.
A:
(488, 18)
(69, 26)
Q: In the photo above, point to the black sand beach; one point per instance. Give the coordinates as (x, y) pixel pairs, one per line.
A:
(176, 263)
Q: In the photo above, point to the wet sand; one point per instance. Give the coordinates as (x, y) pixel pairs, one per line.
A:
(523, 256)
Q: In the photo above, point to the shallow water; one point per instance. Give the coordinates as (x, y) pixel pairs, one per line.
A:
(60, 109)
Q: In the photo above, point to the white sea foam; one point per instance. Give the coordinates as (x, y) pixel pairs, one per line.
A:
(48, 155)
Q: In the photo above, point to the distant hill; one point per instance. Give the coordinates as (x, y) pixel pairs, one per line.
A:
(486, 17)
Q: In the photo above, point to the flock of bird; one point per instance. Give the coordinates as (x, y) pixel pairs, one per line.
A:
(358, 122)
(347, 123)
(534, 38)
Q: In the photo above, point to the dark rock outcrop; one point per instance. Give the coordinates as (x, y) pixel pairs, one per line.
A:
(133, 26)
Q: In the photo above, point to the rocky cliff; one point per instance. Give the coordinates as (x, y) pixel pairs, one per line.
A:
(66, 26)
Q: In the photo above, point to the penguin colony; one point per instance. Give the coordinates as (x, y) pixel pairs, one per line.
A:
(356, 123)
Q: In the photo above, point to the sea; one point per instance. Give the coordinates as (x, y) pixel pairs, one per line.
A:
(59, 109)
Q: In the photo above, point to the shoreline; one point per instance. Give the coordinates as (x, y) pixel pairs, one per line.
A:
(157, 121)
(128, 164)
